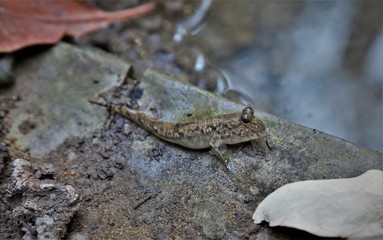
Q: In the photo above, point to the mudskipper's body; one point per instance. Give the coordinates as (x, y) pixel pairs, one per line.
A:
(214, 132)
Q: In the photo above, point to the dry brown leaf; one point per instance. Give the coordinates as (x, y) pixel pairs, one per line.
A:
(25, 23)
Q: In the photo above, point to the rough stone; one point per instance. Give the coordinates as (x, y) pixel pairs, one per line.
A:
(44, 206)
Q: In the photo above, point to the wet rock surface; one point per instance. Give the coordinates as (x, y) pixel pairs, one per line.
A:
(52, 108)
(133, 185)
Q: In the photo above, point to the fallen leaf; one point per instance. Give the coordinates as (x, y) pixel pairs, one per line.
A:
(347, 208)
(25, 23)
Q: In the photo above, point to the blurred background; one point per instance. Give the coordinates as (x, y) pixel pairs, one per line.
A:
(316, 63)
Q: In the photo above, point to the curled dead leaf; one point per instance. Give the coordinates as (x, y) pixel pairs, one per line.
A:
(25, 23)
(347, 208)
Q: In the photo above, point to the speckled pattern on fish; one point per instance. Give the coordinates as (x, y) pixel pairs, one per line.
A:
(214, 132)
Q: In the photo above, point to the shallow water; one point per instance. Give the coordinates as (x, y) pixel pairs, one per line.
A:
(316, 63)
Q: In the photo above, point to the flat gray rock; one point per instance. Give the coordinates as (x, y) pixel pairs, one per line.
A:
(55, 88)
(138, 186)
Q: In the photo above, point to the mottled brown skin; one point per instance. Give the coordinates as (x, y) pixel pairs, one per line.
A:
(214, 132)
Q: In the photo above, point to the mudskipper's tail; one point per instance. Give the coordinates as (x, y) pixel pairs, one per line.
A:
(122, 109)
(108, 106)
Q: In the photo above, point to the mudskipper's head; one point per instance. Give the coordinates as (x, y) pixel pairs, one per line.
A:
(242, 127)
(252, 126)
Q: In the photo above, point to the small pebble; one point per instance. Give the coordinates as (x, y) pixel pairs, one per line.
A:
(127, 129)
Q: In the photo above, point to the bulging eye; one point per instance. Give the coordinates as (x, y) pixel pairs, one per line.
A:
(245, 118)
(247, 115)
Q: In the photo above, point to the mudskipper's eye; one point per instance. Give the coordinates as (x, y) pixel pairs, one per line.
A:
(247, 115)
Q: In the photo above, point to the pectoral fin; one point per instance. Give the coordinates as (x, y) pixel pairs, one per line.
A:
(218, 148)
